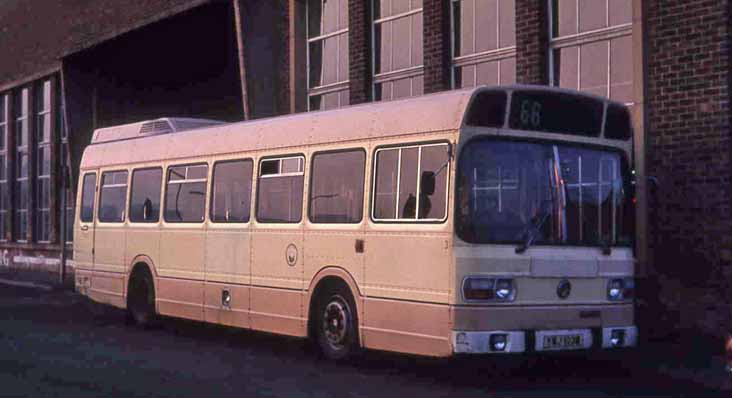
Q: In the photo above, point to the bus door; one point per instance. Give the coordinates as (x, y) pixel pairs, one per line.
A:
(84, 237)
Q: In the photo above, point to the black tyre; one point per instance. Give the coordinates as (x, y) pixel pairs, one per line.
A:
(141, 299)
(336, 325)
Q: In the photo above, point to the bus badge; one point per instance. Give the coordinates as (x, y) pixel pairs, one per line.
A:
(291, 254)
(564, 289)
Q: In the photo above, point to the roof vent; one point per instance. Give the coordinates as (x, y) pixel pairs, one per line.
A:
(155, 127)
(149, 128)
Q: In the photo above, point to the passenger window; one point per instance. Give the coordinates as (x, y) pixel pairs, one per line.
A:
(280, 187)
(185, 193)
(113, 196)
(88, 190)
(232, 191)
(145, 196)
(401, 172)
(336, 192)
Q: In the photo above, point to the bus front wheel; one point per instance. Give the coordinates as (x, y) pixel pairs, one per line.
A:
(336, 325)
(141, 298)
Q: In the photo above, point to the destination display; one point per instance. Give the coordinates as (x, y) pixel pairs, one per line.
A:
(556, 112)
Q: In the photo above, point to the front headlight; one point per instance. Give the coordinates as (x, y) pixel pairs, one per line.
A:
(489, 289)
(620, 289)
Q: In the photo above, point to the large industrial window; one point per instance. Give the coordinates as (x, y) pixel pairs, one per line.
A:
(401, 173)
(88, 192)
(185, 193)
(591, 46)
(398, 62)
(484, 42)
(113, 197)
(280, 189)
(336, 191)
(327, 22)
(43, 161)
(232, 191)
(22, 185)
(4, 205)
(65, 162)
(145, 195)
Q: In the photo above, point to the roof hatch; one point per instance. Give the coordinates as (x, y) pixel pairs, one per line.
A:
(148, 128)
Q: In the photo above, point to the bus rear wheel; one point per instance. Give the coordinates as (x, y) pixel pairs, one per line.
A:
(141, 299)
(336, 325)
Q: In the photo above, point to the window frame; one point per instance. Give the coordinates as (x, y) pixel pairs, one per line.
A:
(337, 87)
(312, 175)
(606, 34)
(18, 118)
(100, 187)
(39, 88)
(476, 58)
(410, 72)
(451, 157)
(213, 182)
(166, 180)
(132, 189)
(5, 204)
(94, 197)
(258, 185)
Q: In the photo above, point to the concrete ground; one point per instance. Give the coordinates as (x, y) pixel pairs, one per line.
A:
(54, 343)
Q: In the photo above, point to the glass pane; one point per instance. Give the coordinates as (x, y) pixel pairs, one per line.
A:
(2, 137)
(3, 176)
(44, 193)
(400, 6)
(386, 184)
(466, 76)
(402, 89)
(280, 199)
(382, 8)
(401, 43)
(508, 71)
(3, 197)
(467, 28)
(592, 15)
(22, 163)
(113, 197)
(507, 22)
(487, 73)
(621, 11)
(566, 69)
(336, 193)
(383, 43)
(44, 160)
(292, 165)
(232, 191)
(433, 182)
(417, 44)
(566, 17)
(593, 68)
(145, 196)
(621, 69)
(408, 183)
(87, 197)
(486, 25)
(342, 57)
(197, 172)
(43, 226)
(185, 202)
(3, 109)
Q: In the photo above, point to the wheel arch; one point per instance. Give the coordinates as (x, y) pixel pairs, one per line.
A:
(328, 277)
(136, 263)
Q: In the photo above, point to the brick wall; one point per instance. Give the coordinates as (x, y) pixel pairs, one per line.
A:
(436, 25)
(688, 149)
(359, 50)
(532, 38)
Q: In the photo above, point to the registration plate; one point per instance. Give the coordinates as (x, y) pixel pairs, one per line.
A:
(563, 342)
(555, 340)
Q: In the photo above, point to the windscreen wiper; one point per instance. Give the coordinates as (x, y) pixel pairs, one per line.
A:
(530, 233)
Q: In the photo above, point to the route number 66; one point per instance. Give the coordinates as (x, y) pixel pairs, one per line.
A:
(531, 113)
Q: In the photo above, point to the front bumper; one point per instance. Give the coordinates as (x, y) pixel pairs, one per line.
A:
(522, 341)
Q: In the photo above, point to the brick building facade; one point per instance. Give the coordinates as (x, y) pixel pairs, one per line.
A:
(107, 62)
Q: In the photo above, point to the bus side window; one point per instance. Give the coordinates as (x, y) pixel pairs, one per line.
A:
(232, 191)
(113, 196)
(336, 192)
(185, 193)
(280, 190)
(401, 172)
(88, 190)
(145, 196)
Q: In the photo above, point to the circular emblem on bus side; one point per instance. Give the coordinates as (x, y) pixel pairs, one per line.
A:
(291, 255)
(564, 288)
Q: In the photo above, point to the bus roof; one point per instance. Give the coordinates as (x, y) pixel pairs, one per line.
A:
(430, 113)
